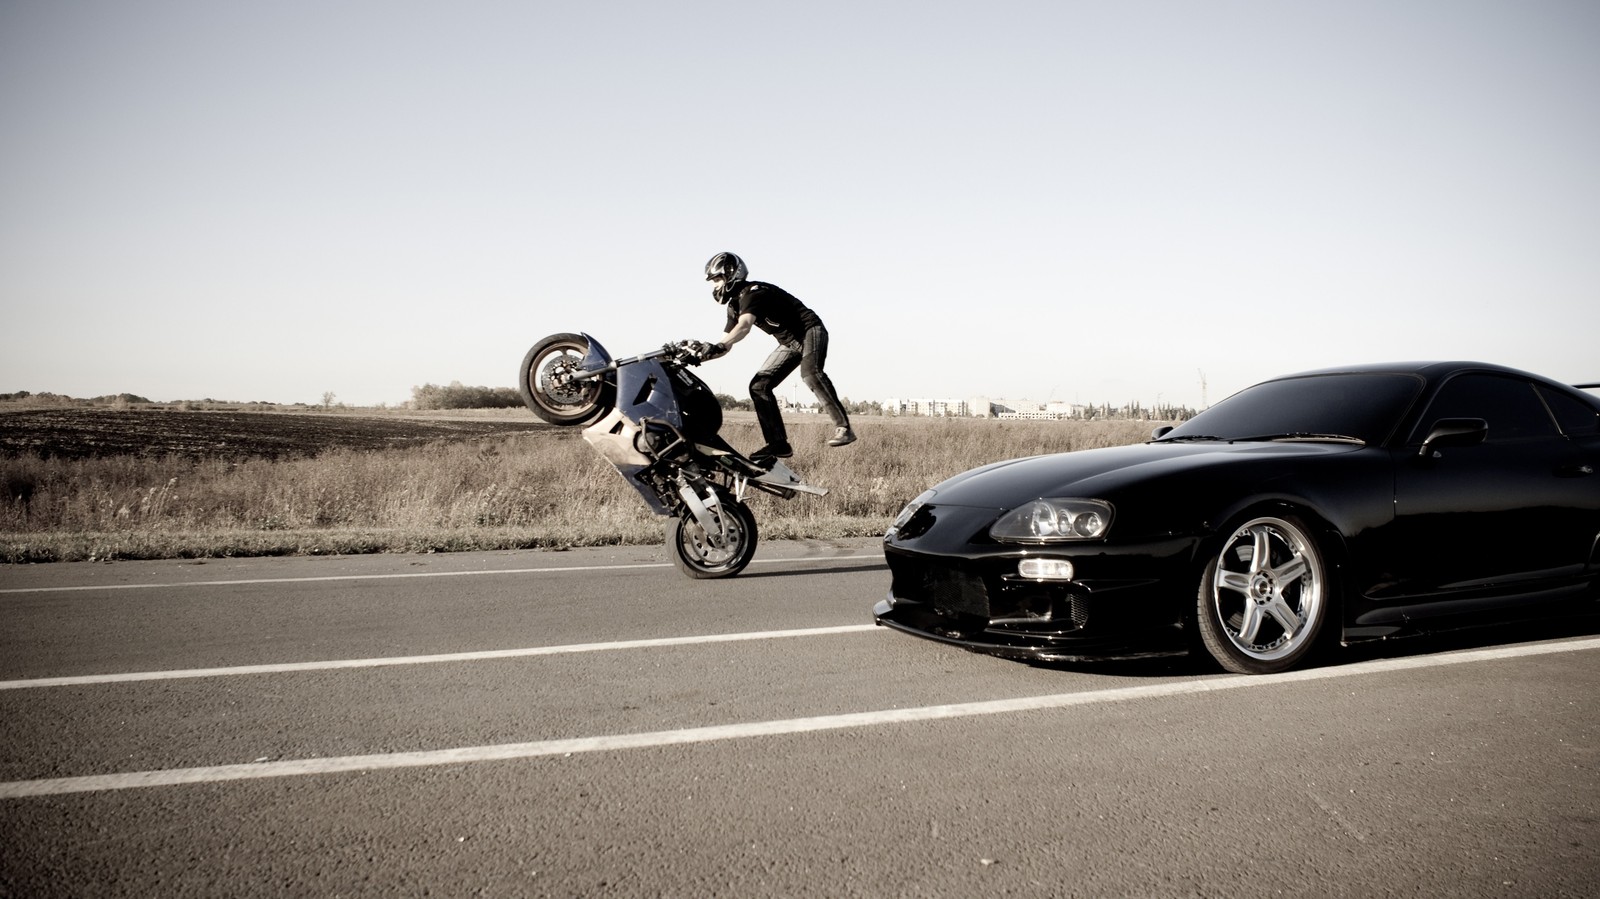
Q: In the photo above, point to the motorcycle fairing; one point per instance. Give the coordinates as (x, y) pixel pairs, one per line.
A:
(643, 392)
(597, 358)
(613, 438)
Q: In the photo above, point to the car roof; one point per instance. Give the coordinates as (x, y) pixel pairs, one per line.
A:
(1432, 369)
(1435, 371)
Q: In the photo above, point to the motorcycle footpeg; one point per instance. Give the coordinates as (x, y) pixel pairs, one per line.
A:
(748, 467)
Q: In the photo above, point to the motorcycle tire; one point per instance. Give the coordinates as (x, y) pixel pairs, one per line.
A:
(539, 383)
(697, 557)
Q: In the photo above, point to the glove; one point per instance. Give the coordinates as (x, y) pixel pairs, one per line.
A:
(714, 351)
(694, 351)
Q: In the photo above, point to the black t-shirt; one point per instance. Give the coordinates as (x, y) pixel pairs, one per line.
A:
(776, 310)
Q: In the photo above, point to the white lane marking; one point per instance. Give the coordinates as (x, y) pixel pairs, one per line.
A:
(409, 574)
(655, 739)
(476, 656)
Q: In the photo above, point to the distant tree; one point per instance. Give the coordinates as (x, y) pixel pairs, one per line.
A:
(728, 401)
(865, 407)
(459, 396)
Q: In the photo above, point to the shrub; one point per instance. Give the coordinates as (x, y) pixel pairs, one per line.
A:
(459, 396)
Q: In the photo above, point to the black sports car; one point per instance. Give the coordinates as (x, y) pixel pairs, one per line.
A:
(1346, 504)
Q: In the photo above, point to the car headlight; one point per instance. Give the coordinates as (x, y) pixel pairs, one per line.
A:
(910, 510)
(1054, 519)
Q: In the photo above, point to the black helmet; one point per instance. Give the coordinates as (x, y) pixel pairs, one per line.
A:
(730, 270)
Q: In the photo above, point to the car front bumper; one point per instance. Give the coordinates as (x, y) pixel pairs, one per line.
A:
(1123, 601)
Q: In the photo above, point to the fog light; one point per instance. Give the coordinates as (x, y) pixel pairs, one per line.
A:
(1045, 569)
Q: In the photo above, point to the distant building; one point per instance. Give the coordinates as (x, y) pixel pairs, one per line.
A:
(1044, 412)
(981, 407)
(1017, 410)
(946, 408)
(798, 408)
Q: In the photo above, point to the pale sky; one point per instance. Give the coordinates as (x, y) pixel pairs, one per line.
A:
(1078, 201)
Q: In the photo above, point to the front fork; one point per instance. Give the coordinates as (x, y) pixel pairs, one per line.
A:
(706, 509)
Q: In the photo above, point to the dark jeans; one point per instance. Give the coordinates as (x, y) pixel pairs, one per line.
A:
(809, 357)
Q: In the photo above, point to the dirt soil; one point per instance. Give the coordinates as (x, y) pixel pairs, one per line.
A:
(84, 433)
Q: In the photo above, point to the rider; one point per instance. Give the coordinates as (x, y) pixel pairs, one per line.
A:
(802, 342)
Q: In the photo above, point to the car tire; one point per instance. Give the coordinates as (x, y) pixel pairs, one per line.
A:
(1264, 596)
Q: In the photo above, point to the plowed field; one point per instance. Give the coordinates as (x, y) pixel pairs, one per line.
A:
(85, 433)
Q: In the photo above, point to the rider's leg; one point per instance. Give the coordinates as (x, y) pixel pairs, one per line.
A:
(779, 365)
(814, 357)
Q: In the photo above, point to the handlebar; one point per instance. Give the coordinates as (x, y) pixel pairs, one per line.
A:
(689, 352)
(684, 352)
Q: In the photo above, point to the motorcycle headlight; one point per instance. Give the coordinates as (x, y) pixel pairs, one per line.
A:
(1054, 519)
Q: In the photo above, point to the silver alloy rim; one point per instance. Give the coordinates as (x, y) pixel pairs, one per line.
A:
(551, 370)
(1268, 589)
(699, 547)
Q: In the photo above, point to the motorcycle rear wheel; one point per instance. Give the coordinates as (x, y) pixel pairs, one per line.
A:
(543, 381)
(695, 554)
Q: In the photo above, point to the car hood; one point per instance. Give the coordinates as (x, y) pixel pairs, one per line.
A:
(1105, 472)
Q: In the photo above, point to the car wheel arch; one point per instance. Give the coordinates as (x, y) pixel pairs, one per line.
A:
(1329, 539)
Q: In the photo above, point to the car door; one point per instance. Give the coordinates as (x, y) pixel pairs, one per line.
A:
(1480, 526)
(1578, 416)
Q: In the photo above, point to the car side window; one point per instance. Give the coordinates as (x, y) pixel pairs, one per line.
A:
(1576, 417)
(1509, 405)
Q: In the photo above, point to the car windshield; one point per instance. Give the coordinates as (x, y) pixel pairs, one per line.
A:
(1364, 406)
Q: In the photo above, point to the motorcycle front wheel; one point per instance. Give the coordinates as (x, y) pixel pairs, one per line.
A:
(546, 384)
(700, 556)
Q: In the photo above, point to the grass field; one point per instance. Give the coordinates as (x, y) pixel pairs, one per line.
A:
(96, 484)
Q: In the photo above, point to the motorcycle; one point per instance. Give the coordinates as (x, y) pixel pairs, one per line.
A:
(658, 424)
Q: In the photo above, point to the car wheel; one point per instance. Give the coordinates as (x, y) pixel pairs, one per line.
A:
(1264, 597)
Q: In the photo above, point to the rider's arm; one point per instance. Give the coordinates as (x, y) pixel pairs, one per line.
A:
(739, 330)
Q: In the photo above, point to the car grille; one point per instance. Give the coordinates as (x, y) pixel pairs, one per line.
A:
(954, 589)
(945, 587)
(1034, 608)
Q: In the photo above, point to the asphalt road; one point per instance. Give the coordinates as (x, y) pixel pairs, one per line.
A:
(592, 723)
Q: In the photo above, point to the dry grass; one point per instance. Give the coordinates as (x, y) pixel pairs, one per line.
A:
(544, 489)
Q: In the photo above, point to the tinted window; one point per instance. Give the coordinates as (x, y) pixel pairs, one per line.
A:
(1576, 417)
(1366, 406)
(1509, 405)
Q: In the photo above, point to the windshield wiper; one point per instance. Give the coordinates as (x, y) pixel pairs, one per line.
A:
(1183, 437)
(1302, 435)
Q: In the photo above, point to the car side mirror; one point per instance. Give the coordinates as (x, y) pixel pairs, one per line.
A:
(1453, 432)
(1160, 432)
